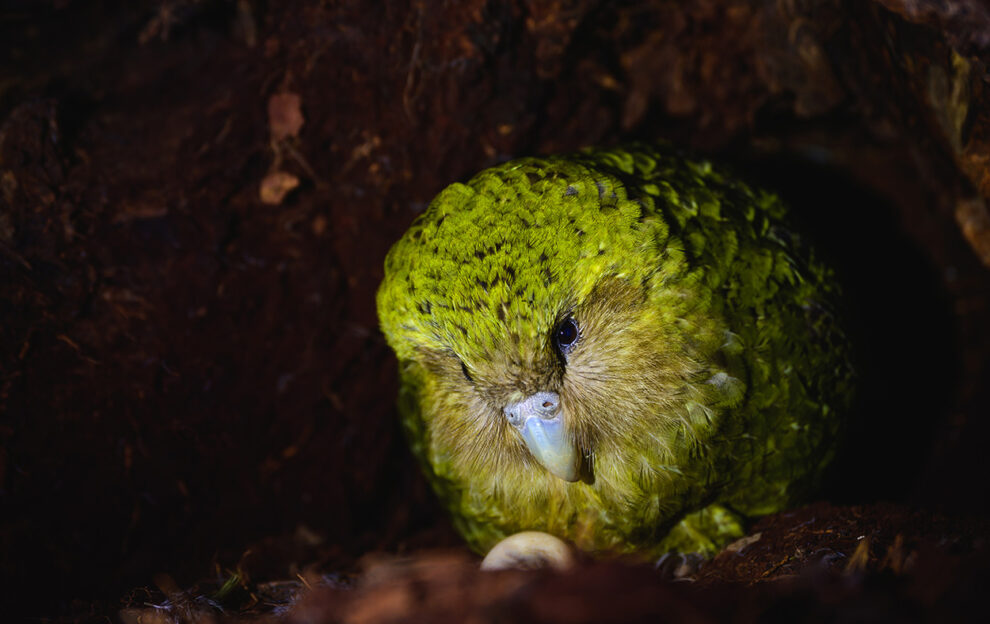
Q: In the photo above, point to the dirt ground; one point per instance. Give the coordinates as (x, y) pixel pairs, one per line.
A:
(196, 197)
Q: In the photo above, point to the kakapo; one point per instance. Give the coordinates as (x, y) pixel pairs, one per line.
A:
(626, 348)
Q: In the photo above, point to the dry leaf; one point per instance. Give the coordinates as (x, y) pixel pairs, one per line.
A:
(285, 118)
(276, 186)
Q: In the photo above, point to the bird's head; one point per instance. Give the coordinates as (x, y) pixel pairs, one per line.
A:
(542, 302)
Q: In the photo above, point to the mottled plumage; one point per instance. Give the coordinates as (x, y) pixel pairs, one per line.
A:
(705, 383)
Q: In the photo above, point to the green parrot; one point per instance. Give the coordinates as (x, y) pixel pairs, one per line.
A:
(625, 348)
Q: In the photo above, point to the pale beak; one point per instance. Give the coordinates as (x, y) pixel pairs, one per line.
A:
(538, 420)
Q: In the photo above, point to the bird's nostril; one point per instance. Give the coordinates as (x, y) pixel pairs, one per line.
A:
(545, 405)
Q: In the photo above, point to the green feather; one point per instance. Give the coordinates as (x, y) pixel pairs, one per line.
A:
(709, 379)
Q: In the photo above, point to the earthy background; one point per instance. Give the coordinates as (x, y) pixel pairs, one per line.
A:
(196, 197)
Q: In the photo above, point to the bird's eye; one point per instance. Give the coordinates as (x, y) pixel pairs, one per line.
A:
(566, 335)
(467, 375)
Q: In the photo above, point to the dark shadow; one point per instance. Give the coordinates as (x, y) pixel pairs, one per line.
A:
(901, 324)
